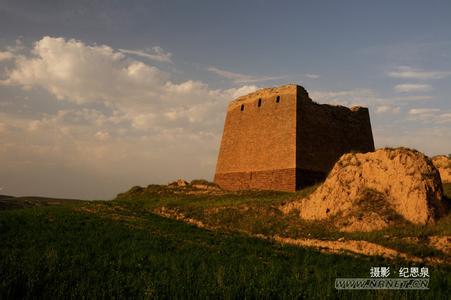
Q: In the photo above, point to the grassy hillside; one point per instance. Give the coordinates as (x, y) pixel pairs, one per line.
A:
(122, 249)
(60, 252)
(257, 212)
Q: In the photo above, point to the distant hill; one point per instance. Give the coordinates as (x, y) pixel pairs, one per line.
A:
(12, 202)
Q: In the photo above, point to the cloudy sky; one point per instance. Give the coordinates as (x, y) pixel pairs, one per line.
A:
(98, 96)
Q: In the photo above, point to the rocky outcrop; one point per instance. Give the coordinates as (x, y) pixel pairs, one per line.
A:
(365, 192)
(179, 183)
(443, 165)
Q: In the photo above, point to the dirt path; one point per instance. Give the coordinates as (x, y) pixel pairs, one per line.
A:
(340, 246)
(327, 246)
(353, 246)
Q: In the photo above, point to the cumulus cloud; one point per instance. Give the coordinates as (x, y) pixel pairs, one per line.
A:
(80, 73)
(345, 97)
(423, 111)
(431, 115)
(157, 54)
(361, 97)
(3, 128)
(367, 97)
(406, 72)
(312, 76)
(412, 87)
(102, 135)
(6, 55)
(387, 109)
(118, 121)
(411, 98)
(11, 51)
(444, 118)
(242, 78)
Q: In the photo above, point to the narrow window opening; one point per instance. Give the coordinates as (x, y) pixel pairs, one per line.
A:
(277, 99)
(242, 107)
(259, 102)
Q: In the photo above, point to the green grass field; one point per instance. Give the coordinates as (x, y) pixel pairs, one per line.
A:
(121, 249)
(256, 212)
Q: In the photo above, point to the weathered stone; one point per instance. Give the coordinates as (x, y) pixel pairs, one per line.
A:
(200, 186)
(443, 165)
(279, 139)
(179, 183)
(362, 189)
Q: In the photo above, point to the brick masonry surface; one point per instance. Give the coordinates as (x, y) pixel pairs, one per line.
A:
(279, 139)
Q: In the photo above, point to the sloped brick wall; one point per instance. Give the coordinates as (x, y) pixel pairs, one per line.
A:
(279, 139)
(259, 142)
(325, 132)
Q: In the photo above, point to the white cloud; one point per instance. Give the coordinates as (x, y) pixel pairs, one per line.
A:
(243, 90)
(157, 54)
(387, 109)
(364, 97)
(382, 109)
(242, 78)
(411, 98)
(431, 140)
(431, 115)
(312, 76)
(405, 72)
(412, 87)
(346, 97)
(444, 118)
(143, 120)
(423, 111)
(102, 135)
(142, 130)
(3, 128)
(11, 51)
(6, 55)
(79, 73)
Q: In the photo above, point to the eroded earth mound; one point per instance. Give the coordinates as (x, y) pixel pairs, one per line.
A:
(443, 165)
(370, 191)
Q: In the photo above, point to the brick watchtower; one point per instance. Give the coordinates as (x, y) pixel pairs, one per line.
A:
(279, 139)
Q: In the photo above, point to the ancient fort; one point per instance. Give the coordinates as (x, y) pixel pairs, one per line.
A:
(279, 139)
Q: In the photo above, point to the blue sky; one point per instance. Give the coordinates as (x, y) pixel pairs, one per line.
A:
(97, 96)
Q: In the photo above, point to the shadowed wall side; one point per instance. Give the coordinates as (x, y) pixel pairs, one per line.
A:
(325, 132)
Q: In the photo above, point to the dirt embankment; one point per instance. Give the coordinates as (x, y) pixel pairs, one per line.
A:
(327, 246)
(370, 191)
(443, 165)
